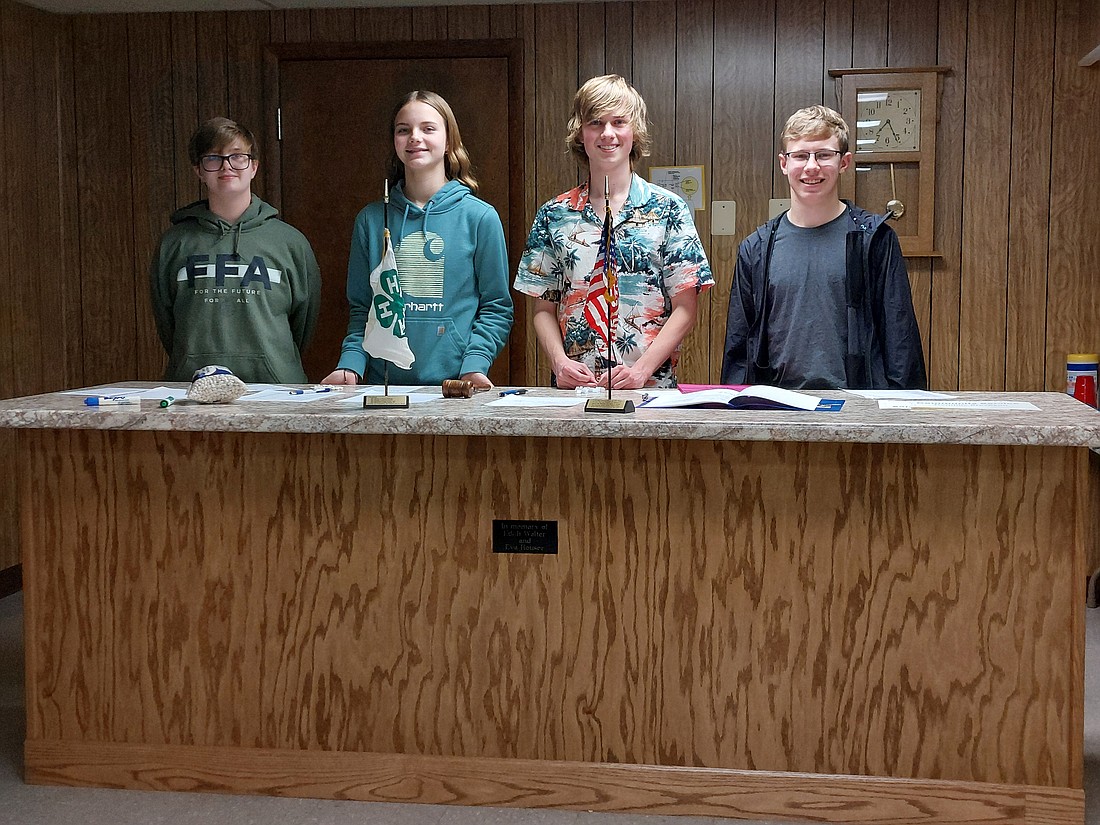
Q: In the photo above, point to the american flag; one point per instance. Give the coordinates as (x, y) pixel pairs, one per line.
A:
(601, 307)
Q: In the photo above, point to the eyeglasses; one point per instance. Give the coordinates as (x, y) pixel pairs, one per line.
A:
(213, 163)
(821, 156)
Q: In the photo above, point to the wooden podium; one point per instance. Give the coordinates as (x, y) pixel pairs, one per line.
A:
(811, 629)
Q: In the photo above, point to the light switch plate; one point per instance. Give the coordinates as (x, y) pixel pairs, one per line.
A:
(723, 218)
(777, 206)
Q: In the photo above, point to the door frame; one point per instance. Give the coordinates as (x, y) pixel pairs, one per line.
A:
(512, 49)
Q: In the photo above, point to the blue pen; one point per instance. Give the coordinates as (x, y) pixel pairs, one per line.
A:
(513, 392)
(316, 389)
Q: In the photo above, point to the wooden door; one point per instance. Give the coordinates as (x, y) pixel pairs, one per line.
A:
(336, 141)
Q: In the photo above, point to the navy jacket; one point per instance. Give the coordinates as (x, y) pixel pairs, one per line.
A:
(884, 348)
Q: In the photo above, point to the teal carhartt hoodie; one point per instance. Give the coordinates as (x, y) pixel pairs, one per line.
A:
(453, 269)
(243, 295)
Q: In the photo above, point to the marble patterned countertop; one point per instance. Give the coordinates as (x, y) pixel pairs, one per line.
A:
(1059, 421)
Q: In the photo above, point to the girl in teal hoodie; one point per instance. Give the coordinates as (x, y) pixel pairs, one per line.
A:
(451, 258)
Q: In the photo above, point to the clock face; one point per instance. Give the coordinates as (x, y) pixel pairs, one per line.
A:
(888, 121)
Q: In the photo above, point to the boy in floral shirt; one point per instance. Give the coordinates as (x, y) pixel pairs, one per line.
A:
(656, 255)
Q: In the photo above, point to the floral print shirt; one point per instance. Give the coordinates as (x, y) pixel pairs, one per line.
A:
(657, 252)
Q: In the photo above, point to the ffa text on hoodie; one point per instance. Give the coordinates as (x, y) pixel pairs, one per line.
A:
(243, 295)
(452, 265)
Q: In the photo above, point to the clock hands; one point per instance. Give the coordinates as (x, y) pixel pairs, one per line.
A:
(886, 123)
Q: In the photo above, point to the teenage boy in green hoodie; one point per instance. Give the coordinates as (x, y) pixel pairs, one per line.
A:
(232, 284)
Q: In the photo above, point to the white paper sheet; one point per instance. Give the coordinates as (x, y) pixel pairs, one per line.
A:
(900, 395)
(933, 404)
(535, 401)
(304, 395)
(128, 392)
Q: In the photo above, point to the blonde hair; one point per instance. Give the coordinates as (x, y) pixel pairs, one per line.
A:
(456, 161)
(608, 94)
(816, 122)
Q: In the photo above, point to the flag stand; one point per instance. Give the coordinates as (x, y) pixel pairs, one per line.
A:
(386, 401)
(389, 402)
(609, 404)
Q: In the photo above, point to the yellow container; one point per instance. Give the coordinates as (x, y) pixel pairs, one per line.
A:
(1078, 365)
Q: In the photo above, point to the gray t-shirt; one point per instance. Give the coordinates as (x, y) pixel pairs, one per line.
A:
(805, 305)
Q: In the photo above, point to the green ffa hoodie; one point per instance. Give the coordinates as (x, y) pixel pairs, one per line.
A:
(452, 266)
(243, 295)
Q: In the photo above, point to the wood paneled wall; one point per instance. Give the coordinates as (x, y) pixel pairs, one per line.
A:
(41, 318)
(95, 111)
(1090, 33)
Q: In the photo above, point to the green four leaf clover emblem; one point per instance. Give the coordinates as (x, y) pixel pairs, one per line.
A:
(389, 307)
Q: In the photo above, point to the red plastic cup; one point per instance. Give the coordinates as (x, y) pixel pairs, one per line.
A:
(1084, 390)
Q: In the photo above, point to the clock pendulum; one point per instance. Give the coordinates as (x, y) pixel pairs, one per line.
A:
(895, 207)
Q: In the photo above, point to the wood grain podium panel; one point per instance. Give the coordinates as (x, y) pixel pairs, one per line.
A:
(894, 611)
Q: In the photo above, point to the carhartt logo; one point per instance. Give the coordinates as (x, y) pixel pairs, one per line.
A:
(420, 260)
(423, 306)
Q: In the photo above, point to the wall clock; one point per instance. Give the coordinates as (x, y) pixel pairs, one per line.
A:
(892, 113)
(888, 120)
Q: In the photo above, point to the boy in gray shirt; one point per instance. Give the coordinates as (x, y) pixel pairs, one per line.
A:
(821, 295)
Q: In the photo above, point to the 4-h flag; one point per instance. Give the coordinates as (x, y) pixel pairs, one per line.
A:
(384, 336)
(601, 308)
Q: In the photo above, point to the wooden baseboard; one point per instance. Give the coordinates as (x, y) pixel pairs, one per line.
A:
(518, 783)
(11, 580)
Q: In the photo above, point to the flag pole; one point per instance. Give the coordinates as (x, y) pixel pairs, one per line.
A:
(385, 235)
(613, 319)
(611, 294)
(385, 401)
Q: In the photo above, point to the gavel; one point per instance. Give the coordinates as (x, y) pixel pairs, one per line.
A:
(458, 388)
